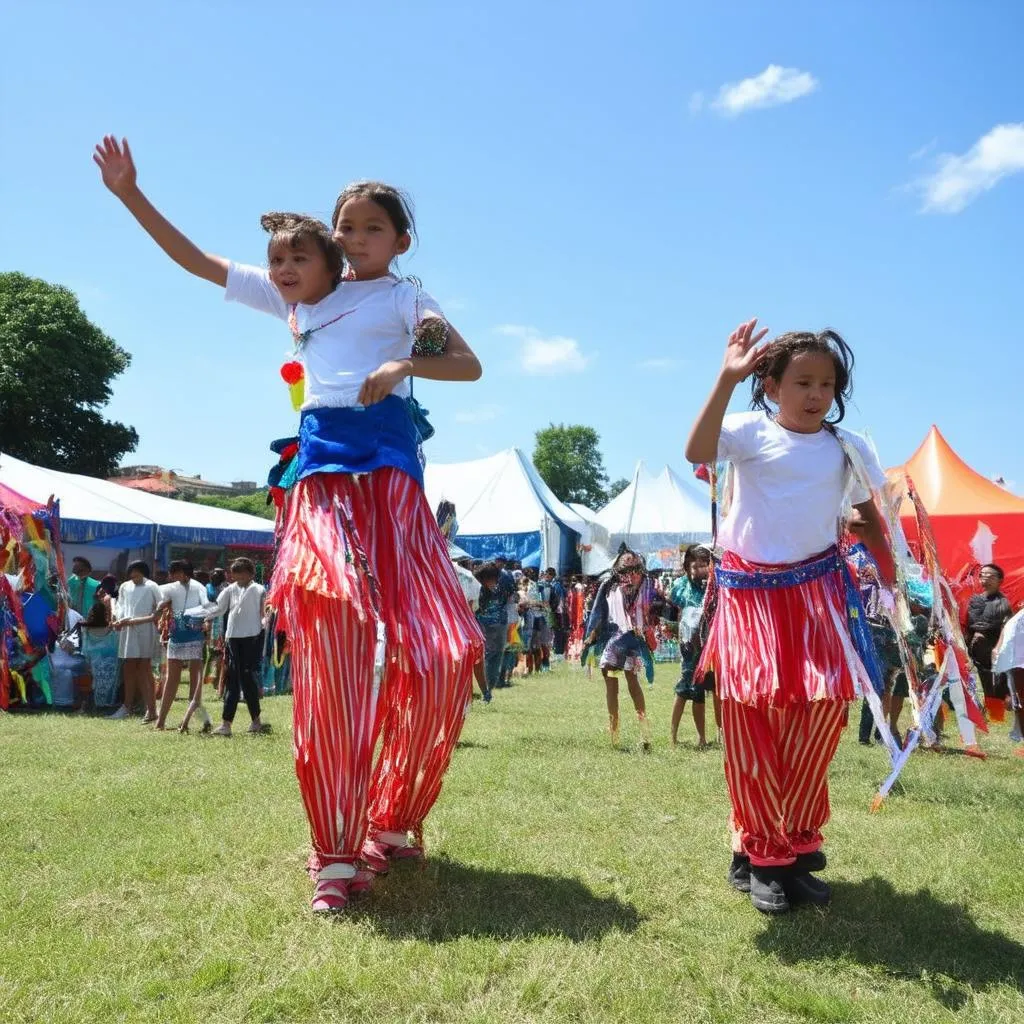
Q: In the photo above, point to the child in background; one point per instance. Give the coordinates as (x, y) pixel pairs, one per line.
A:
(243, 603)
(687, 594)
(617, 633)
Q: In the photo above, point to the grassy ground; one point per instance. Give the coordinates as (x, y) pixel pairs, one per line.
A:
(153, 877)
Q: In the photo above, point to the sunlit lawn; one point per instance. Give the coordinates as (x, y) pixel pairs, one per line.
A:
(154, 877)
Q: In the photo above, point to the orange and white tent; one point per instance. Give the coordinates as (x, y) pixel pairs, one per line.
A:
(974, 519)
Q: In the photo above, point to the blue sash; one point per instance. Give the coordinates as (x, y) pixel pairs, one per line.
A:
(773, 579)
(358, 439)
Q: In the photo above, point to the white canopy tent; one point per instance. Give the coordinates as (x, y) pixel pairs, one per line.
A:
(656, 516)
(595, 544)
(505, 508)
(98, 514)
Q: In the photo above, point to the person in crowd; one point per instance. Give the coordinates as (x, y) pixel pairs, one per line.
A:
(539, 610)
(135, 616)
(496, 588)
(550, 590)
(687, 594)
(559, 609)
(987, 613)
(780, 642)
(185, 643)
(99, 647)
(81, 586)
(243, 604)
(471, 590)
(529, 600)
(215, 666)
(617, 634)
(514, 640)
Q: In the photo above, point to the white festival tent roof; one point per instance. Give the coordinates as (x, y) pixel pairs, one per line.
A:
(655, 515)
(503, 507)
(104, 514)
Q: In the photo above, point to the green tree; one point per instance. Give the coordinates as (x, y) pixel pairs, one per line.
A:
(570, 463)
(616, 487)
(55, 372)
(250, 504)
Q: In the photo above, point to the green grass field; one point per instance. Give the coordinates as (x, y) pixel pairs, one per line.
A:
(155, 877)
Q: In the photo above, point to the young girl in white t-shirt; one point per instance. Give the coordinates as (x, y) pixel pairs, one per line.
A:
(383, 641)
(785, 661)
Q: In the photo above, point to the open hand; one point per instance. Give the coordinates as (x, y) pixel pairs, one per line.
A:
(116, 165)
(382, 382)
(742, 353)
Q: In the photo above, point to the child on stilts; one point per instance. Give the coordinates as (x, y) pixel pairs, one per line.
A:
(383, 641)
(785, 661)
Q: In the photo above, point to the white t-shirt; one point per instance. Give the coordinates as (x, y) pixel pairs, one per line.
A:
(470, 586)
(175, 593)
(376, 325)
(244, 609)
(137, 600)
(790, 489)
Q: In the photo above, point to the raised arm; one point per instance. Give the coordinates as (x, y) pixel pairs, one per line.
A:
(117, 168)
(741, 356)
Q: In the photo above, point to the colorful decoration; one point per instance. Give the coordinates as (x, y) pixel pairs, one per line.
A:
(294, 375)
(30, 551)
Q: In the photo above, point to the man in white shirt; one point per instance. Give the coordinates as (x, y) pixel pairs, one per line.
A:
(243, 602)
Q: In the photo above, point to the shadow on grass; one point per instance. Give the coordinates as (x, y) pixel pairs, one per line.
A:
(914, 936)
(448, 900)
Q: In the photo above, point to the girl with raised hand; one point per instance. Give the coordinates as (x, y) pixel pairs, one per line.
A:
(780, 643)
(383, 640)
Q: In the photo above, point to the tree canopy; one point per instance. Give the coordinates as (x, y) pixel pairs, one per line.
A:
(616, 487)
(251, 504)
(570, 463)
(55, 372)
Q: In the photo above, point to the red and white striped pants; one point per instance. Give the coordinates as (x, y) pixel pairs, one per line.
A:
(776, 768)
(331, 607)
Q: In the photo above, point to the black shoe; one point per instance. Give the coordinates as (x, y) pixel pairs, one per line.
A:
(803, 887)
(808, 862)
(739, 873)
(767, 892)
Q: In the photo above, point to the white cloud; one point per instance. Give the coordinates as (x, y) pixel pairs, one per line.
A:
(774, 86)
(482, 414)
(959, 180)
(541, 356)
(661, 363)
(696, 104)
(454, 305)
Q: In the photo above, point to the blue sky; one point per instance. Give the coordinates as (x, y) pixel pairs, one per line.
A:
(603, 191)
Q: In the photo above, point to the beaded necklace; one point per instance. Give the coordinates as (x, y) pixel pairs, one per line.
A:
(301, 337)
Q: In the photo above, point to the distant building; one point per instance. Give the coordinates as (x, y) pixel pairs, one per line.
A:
(171, 484)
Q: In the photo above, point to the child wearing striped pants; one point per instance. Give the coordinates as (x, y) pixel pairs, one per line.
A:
(785, 660)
